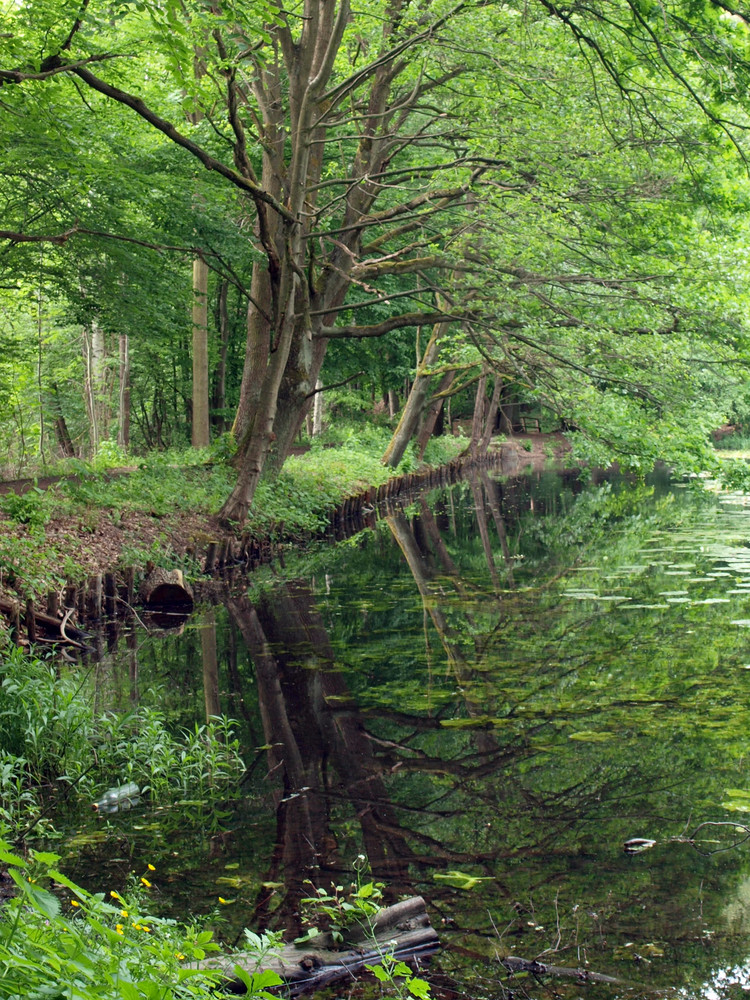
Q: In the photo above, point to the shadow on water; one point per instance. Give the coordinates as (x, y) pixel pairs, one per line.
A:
(487, 693)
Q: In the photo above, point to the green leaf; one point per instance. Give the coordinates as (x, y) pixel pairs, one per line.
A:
(460, 880)
(380, 973)
(11, 859)
(418, 987)
(40, 899)
(45, 857)
(128, 991)
(57, 876)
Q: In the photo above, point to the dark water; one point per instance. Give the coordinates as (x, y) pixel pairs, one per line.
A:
(487, 694)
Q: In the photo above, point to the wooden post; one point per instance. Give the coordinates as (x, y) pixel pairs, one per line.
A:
(110, 594)
(95, 595)
(130, 584)
(30, 620)
(210, 557)
(15, 623)
(223, 550)
(53, 603)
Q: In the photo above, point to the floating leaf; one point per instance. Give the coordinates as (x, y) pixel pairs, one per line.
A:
(460, 880)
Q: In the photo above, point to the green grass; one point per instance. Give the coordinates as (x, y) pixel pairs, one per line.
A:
(294, 504)
(737, 442)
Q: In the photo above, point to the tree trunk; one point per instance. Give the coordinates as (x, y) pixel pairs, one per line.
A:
(490, 416)
(210, 666)
(96, 385)
(392, 404)
(62, 434)
(317, 424)
(201, 432)
(433, 412)
(220, 383)
(401, 932)
(480, 405)
(415, 402)
(123, 417)
(296, 396)
(260, 395)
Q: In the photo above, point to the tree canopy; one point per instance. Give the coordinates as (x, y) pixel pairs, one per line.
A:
(558, 190)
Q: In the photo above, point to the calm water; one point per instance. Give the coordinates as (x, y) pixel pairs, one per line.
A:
(488, 694)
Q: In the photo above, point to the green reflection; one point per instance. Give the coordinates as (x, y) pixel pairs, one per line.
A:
(489, 692)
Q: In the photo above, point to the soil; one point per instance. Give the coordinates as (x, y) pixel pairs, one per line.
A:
(97, 539)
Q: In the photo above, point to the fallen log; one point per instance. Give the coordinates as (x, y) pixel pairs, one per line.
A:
(163, 588)
(50, 623)
(515, 964)
(402, 932)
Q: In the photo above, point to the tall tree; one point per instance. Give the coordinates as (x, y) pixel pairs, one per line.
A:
(353, 142)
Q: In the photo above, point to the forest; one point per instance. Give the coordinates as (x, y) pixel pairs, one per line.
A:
(221, 221)
(276, 275)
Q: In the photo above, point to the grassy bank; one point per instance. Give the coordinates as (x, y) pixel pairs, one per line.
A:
(116, 512)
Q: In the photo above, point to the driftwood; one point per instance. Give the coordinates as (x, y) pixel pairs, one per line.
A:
(402, 932)
(514, 964)
(163, 588)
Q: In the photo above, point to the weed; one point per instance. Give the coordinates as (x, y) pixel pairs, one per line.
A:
(26, 508)
(50, 738)
(359, 907)
(73, 943)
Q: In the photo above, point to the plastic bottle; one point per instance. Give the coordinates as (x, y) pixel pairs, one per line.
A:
(119, 798)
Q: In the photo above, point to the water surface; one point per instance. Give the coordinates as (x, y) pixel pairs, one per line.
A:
(487, 694)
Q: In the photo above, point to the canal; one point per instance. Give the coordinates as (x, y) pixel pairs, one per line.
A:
(526, 699)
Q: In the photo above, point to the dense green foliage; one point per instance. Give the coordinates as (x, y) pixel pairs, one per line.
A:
(568, 183)
(54, 744)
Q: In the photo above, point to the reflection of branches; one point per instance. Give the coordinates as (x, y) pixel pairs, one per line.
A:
(682, 839)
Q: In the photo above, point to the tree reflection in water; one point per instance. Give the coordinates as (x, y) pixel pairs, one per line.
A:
(492, 684)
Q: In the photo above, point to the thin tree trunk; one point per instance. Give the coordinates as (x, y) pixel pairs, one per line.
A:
(220, 385)
(62, 435)
(490, 417)
(201, 432)
(317, 424)
(89, 392)
(477, 423)
(392, 404)
(433, 412)
(210, 666)
(415, 402)
(484, 534)
(123, 419)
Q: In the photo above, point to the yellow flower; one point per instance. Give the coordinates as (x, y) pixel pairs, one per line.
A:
(120, 929)
(146, 929)
(113, 894)
(74, 902)
(146, 883)
(151, 868)
(124, 913)
(222, 900)
(179, 956)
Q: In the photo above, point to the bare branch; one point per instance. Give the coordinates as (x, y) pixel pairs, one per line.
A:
(393, 323)
(53, 67)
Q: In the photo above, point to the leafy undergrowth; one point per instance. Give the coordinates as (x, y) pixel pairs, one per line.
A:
(54, 745)
(58, 939)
